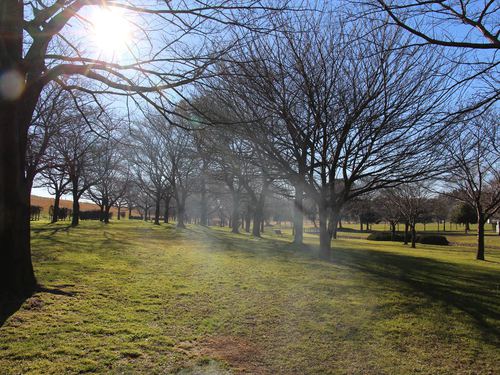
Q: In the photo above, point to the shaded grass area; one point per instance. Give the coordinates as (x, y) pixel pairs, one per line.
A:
(131, 297)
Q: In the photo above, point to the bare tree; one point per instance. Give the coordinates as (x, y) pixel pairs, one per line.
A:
(412, 201)
(339, 116)
(37, 48)
(474, 173)
(467, 29)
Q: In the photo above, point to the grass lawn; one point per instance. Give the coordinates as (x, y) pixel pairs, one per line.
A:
(131, 298)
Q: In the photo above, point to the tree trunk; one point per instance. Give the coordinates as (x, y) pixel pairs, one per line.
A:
(181, 213)
(55, 211)
(129, 212)
(480, 236)
(256, 222)
(236, 213)
(324, 235)
(360, 224)
(393, 231)
(167, 204)
(413, 236)
(298, 215)
(157, 209)
(203, 204)
(119, 211)
(75, 219)
(333, 223)
(248, 220)
(106, 214)
(406, 233)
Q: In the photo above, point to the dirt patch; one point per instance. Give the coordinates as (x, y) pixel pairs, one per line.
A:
(244, 357)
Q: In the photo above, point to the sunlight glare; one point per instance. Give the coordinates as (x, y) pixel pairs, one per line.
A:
(111, 30)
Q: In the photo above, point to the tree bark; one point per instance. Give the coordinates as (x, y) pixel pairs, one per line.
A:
(236, 213)
(413, 236)
(157, 209)
(167, 206)
(480, 236)
(406, 233)
(298, 215)
(324, 235)
(55, 211)
(106, 213)
(75, 219)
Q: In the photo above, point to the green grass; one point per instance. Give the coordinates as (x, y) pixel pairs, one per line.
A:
(131, 297)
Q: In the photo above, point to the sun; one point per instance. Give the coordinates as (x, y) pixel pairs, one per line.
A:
(111, 31)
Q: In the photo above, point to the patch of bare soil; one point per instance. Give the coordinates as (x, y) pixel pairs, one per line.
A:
(244, 357)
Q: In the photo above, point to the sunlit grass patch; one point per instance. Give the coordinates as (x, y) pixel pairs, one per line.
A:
(131, 297)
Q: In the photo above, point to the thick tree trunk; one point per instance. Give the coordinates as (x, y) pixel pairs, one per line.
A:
(257, 217)
(180, 216)
(16, 271)
(248, 220)
(333, 223)
(480, 236)
(106, 214)
(157, 210)
(298, 215)
(55, 211)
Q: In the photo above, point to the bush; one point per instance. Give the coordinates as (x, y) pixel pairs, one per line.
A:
(387, 236)
(432, 239)
(93, 215)
(427, 239)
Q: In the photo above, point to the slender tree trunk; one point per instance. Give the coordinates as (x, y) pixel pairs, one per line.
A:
(360, 224)
(406, 233)
(55, 211)
(203, 204)
(298, 215)
(119, 211)
(444, 225)
(393, 231)
(129, 212)
(480, 236)
(236, 213)
(101, 213)
(167, 205)
(413, 236)
(324, 235)
(256, 223)
(75, 219)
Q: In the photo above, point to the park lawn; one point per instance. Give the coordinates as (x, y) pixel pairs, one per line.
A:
(130, 297)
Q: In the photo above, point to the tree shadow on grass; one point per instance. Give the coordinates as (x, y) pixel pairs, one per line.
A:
(52, 230)
(468, 288)
(8, 306)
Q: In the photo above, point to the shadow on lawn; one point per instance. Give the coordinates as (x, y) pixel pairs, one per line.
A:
(8, 306)
(465, 287)
(471, 289)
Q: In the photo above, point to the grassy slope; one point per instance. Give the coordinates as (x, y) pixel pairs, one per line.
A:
(134, 298)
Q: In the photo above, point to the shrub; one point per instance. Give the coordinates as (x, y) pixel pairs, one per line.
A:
(387, 236)
(432, 239)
